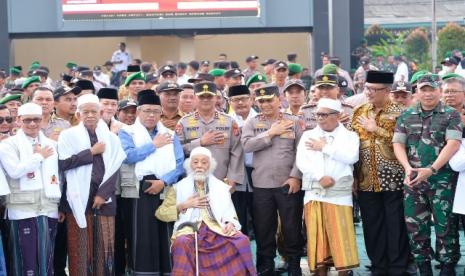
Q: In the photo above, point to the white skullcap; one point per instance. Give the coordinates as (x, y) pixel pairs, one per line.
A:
(201, 151)
(30, 109)
(87, 98)
(330, 103)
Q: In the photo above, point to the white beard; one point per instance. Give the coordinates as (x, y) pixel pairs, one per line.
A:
(201, 177)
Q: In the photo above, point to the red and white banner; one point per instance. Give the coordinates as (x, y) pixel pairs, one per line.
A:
(130, 9)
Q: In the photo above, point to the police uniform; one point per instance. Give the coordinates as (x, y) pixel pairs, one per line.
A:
(274, 163)
(55, 126)
(424, 135)
(307, 111)
(228, 154)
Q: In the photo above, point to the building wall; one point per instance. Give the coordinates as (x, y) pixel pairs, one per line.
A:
(90, 51)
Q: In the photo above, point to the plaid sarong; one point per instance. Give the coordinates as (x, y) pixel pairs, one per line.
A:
(90, 254)
(218, 255)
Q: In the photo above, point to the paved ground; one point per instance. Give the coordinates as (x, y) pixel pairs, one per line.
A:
(365, 261)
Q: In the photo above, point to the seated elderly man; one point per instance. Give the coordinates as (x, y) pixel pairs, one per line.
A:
(326, 155)
(202, 199)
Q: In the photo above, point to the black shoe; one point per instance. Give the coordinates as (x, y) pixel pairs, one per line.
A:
(294, 267)
(265, 266)
(266, 272)
(425, 269)
(447, 270)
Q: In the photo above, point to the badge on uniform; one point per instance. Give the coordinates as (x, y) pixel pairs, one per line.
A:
(53, 180)
(178, 129)
(193, 134)
(235, 129)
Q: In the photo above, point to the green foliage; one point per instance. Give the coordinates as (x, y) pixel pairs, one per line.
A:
(417, 45)
(374, 34)
(391, 46)
(417, 48)
(451, 37)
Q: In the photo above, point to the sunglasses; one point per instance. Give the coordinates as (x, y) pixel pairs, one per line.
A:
(8, 119)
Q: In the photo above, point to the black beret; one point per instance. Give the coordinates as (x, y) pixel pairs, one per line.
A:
(148, 96)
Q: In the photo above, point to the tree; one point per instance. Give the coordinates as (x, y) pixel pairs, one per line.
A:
(451, 37)
(391, 46)
(417, 48)
(374, 34)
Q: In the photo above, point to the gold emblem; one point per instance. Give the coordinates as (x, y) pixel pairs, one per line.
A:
(262, 92)
(325, 78)
(205, 88)
(194, 134)
(222, 120)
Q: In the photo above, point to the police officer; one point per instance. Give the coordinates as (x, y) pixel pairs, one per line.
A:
(210, 128)
(326, 86)
(273, 135)
(426, 136)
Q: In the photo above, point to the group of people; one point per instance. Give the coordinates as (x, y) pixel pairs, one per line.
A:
(173, 174)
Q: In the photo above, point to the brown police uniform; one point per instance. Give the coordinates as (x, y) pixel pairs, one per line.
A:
(228, 155)
(274, 163)
(307, 113)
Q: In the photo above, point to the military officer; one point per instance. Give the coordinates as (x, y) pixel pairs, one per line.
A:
(210, 128)
(426, 136)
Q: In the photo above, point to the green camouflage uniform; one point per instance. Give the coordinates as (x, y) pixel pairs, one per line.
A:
(425, 134)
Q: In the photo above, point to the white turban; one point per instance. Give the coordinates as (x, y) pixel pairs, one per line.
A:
(87, 98)
(201, 151)
(30, 109)
(330, 103)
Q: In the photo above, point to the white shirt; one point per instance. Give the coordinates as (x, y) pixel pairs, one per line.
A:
(121, 56)
(402, 72)
(103, 78)
(183, 79)
(457, 163)
(16, 169)
(248, 156)
(338, 155)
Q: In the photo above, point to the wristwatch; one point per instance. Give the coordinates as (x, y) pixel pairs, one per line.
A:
(433, 170)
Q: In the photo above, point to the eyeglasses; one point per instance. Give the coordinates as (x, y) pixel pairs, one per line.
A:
(324, 115)
(8, 120)
(149, 112)
(28, 121)
(452, 92)
(241, 99)
(375, 90)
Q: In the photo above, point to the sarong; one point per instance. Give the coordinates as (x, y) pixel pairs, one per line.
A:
(148, 237)
(218, 255)
(330, 236)
(91, 249)
(31, 244)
